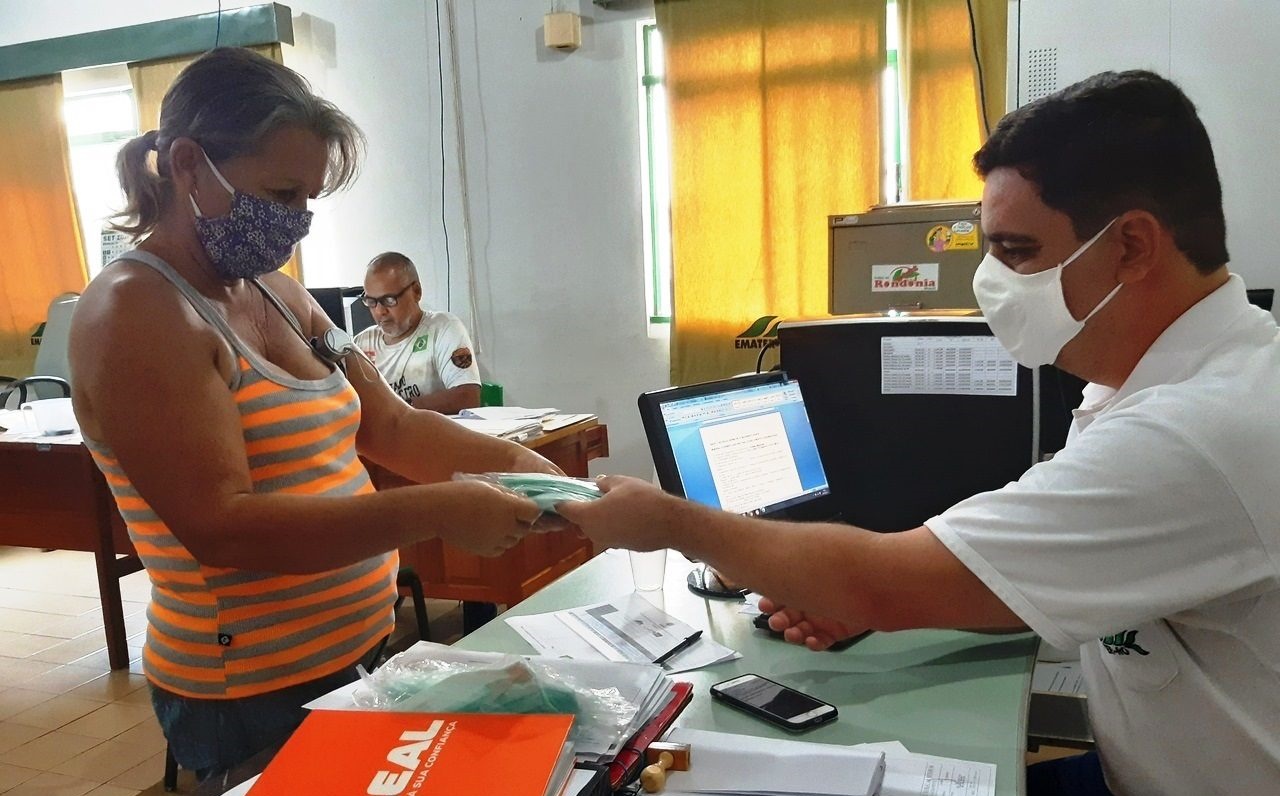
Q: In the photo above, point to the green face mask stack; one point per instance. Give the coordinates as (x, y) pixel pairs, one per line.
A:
(544, 489)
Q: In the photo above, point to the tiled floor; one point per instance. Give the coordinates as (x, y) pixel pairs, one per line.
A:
(69, 726)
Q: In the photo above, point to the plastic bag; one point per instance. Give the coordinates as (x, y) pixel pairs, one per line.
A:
(544, 489)
(431, 678)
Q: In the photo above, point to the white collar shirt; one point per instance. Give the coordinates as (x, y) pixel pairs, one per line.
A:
(1152, 540)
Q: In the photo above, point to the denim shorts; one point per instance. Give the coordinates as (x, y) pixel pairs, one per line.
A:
(212, 736)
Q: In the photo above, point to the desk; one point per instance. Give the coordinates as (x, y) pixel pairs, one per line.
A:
(942, 692)
(53, 496)
(452, 574)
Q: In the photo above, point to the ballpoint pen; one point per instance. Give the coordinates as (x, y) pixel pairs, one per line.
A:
(681, 647)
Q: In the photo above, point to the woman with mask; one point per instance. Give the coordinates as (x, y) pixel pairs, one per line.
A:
(211, 395)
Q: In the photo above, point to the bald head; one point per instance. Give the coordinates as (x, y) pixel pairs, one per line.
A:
(393, 264)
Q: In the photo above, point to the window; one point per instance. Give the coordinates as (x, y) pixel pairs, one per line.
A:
(655, 156)
(891, 179)
(100, 116)
(654, 164)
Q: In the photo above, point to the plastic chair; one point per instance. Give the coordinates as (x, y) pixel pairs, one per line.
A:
(51, 370)
(25, 390)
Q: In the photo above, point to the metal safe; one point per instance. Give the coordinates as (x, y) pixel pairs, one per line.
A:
(905, 257)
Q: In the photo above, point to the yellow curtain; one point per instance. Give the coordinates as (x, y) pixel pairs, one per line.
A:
(939, 74)
(775, 124)
(151, 79)
(40, 257)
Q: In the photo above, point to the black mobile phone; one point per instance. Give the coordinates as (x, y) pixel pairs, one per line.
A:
(774, 702)
(762, 621)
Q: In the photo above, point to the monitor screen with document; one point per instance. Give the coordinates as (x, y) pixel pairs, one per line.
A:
(743, 445)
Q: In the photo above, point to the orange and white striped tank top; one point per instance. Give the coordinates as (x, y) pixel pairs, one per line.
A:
(219, 633)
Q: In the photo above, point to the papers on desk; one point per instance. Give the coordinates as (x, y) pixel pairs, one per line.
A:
(738, 765)
(1058, 677)
(910, 774)
(515, 422)
(15, 427)
(516, 430)
(743, 765)
(506, 413)
(627, 629)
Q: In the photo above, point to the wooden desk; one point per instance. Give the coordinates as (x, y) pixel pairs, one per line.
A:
(53, 496)
(452, 574)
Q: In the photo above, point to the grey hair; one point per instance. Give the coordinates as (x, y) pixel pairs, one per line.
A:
(228, 100)
(389, 261)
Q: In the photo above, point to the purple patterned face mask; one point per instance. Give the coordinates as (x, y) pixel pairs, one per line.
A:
(255, 237)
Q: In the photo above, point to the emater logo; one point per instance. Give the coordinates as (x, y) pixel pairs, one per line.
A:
(762, 332)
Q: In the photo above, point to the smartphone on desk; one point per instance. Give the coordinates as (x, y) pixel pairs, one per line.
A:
(774, 702)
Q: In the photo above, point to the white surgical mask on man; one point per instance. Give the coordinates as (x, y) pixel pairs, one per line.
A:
(1028, 312)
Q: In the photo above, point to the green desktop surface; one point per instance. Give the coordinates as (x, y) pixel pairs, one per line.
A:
(940, 692)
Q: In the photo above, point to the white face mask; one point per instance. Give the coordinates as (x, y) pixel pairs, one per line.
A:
(1028, 312)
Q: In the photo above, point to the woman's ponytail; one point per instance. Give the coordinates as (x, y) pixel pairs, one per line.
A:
(143, 187)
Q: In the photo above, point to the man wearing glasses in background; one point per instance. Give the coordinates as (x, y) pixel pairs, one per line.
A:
(424, 355)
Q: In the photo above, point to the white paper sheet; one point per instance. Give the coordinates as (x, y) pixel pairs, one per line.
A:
(1058, 678)
(924, 775)
(563, 634)
(506, 413)
(745, 765)
(965, 365)
(908, 774)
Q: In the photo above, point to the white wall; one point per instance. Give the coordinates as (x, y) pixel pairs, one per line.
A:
(1222, 55)
(553, 179)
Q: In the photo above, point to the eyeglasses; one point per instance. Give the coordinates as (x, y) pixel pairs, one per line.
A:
(389, 300)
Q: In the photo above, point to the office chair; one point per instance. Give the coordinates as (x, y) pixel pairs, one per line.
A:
(51, 371)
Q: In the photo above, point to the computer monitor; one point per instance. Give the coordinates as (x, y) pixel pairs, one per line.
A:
(743, 445)
(911, 414)
(342, 305)
(1262, 297)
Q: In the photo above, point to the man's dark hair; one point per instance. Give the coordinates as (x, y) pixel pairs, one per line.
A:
(1118, 141)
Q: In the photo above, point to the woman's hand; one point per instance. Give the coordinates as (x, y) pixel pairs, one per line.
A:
(480, 517)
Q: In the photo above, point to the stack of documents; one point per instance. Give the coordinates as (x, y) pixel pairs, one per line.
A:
(628, 629)
(742, 765)
(506, 413)
(635, 692)
(517, 430)
(910, 774)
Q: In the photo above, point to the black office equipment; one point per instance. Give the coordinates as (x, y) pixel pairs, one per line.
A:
(694, 435)
(1262, 297)
(743, 445)
(342, 305)
(895, 460)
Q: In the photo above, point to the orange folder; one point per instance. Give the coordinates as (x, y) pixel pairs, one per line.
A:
(380, 753)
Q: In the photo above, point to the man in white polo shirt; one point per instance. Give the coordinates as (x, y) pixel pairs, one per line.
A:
(1152, 540)
(424, 355)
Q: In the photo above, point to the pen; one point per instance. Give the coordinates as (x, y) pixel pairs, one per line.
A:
(681, 647)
